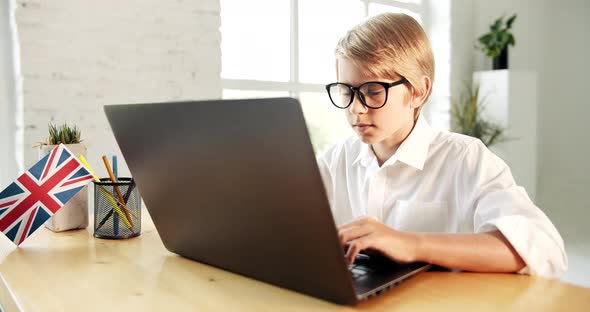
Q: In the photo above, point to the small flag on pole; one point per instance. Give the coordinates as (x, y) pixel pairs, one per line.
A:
(39, 192)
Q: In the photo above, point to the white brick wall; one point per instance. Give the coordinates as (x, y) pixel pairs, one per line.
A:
(78, 55)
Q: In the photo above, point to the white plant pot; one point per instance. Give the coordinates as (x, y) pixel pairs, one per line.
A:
(74, 215)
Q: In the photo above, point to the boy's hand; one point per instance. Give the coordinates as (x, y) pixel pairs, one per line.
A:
(368, 233)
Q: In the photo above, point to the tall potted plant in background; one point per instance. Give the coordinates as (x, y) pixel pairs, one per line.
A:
(74, 215)
(467, 118)
(495, 43)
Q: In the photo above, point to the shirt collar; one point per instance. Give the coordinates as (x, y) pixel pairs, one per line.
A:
(365, 156)
(412, 151)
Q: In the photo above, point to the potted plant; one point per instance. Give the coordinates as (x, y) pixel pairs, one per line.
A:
(495, 43)
(467, 118)
(74, 215)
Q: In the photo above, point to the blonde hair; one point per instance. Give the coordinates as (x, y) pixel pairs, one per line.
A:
(387, 45)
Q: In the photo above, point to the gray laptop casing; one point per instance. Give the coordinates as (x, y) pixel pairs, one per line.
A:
(235, 184)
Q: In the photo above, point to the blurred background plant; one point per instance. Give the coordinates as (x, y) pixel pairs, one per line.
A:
(62, 134)
(467, 118)
(498, 38)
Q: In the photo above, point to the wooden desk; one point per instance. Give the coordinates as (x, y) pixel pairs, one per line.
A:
(73, 271)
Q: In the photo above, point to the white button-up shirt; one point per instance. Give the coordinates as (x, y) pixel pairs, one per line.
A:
(438, 181)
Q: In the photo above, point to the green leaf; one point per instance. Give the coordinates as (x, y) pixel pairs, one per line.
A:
(485, 38)
(497, 24)
(510, 21)
(511, 40)
(63, 134)
(499, 36)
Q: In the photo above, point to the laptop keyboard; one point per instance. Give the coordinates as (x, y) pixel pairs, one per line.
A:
(361, 267)
(358, 270)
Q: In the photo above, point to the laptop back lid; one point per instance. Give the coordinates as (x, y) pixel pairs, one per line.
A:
(235, 184)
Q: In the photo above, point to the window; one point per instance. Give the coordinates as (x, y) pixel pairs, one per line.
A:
(11, 111)
(262, 39)
(286, 48)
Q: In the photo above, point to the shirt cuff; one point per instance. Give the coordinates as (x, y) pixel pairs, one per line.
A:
(538, 244)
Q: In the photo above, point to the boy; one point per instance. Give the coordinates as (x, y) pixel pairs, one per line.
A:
(414, 193)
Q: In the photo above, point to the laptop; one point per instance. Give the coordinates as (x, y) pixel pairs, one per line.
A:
(235, 184)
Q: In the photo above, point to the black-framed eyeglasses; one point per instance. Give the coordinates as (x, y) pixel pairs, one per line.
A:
(373, 94)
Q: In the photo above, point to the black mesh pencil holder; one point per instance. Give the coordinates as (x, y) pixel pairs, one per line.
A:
(111, 218)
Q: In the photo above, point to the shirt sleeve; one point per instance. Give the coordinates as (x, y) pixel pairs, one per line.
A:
(497, 203)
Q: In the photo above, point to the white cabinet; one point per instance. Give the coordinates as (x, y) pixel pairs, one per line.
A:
(510, 98)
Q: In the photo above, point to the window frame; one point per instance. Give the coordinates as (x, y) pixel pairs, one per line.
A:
(294, 87)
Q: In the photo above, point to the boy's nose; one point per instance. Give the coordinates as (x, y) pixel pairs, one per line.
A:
(357, 107)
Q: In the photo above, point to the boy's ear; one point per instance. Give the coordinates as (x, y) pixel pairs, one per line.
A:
(420, 94)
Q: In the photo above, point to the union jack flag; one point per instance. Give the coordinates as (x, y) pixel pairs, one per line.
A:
(39, 192)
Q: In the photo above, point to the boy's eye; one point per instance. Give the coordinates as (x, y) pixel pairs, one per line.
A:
(344, 90)
(372, 90)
